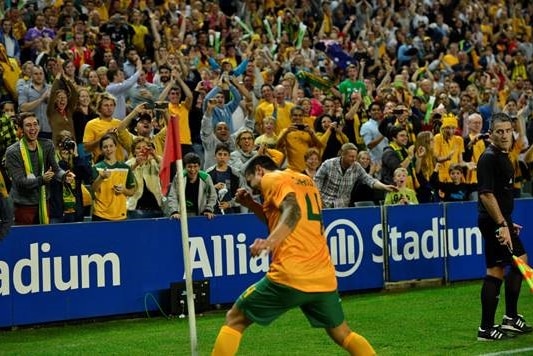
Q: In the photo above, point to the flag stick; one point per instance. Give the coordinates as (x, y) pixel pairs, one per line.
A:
(186, 258)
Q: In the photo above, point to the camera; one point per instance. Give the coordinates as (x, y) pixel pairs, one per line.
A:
(300, 126)
(161, 105)
(68, 144)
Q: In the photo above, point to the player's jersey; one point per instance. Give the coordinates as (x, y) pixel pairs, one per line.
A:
(302, 261)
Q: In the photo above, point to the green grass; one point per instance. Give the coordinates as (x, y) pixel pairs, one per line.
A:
(433, 321)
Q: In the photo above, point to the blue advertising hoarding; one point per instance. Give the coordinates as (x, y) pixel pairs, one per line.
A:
(464, 242)
(416, 242)
(84, 270)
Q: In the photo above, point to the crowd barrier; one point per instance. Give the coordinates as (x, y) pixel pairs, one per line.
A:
(85, 270)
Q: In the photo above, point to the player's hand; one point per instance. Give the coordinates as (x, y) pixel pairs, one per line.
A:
(258, 246)
(243, 197)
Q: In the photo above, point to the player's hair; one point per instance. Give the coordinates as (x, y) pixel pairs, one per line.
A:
(261, 161)
(499, 117)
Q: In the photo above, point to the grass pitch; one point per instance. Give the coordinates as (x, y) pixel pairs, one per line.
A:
(430, 321)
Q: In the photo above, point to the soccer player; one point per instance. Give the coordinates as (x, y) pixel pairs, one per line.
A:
(495, 187)
(301, 273)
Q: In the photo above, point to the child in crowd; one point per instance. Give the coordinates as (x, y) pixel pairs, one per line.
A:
(200, 192)
(269, 137)
(404, 195)
(226, 180)
(457, 189)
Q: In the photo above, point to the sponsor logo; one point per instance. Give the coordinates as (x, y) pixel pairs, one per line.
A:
(345, 246)
(43, 272)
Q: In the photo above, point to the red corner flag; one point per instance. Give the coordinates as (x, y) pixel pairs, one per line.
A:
(526, 271)
(171, 154)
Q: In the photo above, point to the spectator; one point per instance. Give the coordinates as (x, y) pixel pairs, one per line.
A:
(456, 189)
(448, 148)
(119, 87)
(424, 166)
(200, 194)
(397, 155)
(10, 43)
(403, 195)
(143, 92)
(102, 125)
(66, 199)
(225, 179)
(145, 165)
(31, 166)
(268, 137)
(34, 97)
(61, 105)
(361, 191)
(245, 150)
(223, 111)
(296, 139)
(113, 182)
(312, 162)
(375, 142)
(330, 134)
(178, 90)
(8, 131)
(474, 143)
(337, 176)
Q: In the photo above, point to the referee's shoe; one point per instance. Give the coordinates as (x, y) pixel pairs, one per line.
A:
(494, 333)
(516, 325)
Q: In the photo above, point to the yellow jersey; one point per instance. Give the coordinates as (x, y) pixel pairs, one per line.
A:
(302, 260)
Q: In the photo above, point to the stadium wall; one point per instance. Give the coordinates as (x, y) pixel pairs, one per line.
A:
(86, 270)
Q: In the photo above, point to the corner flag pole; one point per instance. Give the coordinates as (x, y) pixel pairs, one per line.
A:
(186, 259)
(185, 237)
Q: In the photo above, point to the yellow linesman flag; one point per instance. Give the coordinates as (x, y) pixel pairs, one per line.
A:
(526, 271)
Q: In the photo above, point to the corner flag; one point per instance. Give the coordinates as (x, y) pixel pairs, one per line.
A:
(171, 153)
(527, 271)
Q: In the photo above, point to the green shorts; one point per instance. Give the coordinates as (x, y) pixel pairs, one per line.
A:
(265, 301)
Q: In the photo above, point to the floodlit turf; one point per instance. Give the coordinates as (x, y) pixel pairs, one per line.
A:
(436, 321)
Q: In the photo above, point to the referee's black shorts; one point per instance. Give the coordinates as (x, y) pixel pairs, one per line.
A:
(496, 254)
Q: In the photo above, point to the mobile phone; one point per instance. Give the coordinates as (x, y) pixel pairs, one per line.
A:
(163, 105)
(300, 126)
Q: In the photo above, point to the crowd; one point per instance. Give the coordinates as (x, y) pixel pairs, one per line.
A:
(376, 101)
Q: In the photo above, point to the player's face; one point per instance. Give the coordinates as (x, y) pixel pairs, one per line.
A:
(254, 179)
(501, 135)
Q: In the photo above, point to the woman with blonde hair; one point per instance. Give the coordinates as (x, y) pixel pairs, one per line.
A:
(424, 166)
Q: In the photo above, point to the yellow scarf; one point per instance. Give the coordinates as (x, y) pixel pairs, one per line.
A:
(30, 170)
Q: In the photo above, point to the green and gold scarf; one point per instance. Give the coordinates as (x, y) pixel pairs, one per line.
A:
(30, 170)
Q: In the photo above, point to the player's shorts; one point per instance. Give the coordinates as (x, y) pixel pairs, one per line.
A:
(495, 253)
(265, 301)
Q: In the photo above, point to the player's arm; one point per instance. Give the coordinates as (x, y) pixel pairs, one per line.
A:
(290, 215)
